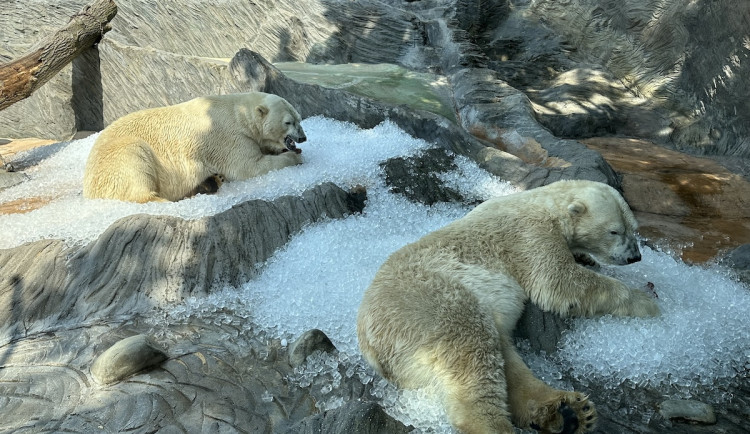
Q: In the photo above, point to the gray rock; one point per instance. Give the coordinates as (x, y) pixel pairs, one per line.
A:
(687, 410)
(417, 177)
(126, 358)
(353, 417)
(668, 58)
(739, 258)
(9, 179)
(310, 341)
(541, 329)
(168, 258)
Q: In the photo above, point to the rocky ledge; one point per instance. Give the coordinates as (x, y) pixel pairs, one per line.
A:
(526, 85)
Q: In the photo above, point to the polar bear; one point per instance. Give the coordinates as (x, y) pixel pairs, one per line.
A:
(440, 312)
(167, 153)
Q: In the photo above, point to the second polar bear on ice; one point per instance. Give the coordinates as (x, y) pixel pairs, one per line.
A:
(441, 311)
(169, 153)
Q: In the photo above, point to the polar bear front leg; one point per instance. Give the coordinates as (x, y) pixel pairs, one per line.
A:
(268, 162)
(606, 295)
(534, 404)
(570, 289)
(210, 185)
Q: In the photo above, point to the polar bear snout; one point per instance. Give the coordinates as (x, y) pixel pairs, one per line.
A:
(630, 254)
(633, 259)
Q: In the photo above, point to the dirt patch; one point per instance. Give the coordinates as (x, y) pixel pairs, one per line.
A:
(10, 147)
(24, 205)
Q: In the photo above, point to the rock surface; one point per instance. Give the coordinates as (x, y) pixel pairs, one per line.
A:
(353, 417)
(308, 343)
(739, 260)
(125, 358)
(145, 261)
(688, 410)
(516, 86)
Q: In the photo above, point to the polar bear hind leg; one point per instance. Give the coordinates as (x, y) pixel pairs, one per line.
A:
(536, 405)
(456, 352)
(130, 172)
(474, 386)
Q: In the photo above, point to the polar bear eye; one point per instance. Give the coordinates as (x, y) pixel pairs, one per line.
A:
(614, 233)
(287, 123)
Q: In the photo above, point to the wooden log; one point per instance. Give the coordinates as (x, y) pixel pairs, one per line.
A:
(21, 77)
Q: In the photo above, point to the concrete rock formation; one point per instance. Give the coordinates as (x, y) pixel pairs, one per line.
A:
(527, 81)
(125, 358)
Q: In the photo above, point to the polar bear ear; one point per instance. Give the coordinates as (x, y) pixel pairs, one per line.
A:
(576, 208)
(262, 110)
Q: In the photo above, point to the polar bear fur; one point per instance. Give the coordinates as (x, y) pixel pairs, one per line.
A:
(164, 154)
(440, 312)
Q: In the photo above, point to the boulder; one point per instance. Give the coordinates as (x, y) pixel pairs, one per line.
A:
(739, 260)
(306, 344)
(126, 358)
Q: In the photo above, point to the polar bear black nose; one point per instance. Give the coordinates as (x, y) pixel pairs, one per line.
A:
(634, 259)
(301, 139)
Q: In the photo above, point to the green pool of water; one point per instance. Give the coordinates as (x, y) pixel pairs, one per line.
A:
(384, 82)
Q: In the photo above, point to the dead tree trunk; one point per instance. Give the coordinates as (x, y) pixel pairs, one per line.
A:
(21, 77)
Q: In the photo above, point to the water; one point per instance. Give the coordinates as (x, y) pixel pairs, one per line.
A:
(318, 278)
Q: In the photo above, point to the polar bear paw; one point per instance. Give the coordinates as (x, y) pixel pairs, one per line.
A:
(209, 186)
(568, 413)
(642, 304)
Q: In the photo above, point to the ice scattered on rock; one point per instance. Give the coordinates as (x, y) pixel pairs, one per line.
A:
(701, 338)
(335, 151)
(473, 183)
(266, 396)
(318, 278)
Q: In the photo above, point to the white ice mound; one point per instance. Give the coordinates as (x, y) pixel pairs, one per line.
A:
(317, 280)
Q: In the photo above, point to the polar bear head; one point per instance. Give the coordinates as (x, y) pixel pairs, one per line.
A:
(281, 129)
(603, 225)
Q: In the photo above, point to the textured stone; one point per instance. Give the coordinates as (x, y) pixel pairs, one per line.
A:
(541, 329)
(353, 417)
(126, 358)
(689, 204)
(687, 410)
(685, 58)
(739, 258)
(417, 177)
(309, 342)
(171, 259)
(9, 179)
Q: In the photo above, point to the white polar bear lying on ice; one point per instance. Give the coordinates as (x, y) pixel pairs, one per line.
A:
(169, 153)
(441, 311)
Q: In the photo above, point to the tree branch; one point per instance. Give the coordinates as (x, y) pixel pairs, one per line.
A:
(21, 77)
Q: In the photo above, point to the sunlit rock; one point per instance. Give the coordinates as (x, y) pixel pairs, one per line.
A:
(687, 410)
(126, 358)
(309, 342)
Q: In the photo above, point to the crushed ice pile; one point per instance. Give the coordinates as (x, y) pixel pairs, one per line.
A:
(318, 278)
(336, 151)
